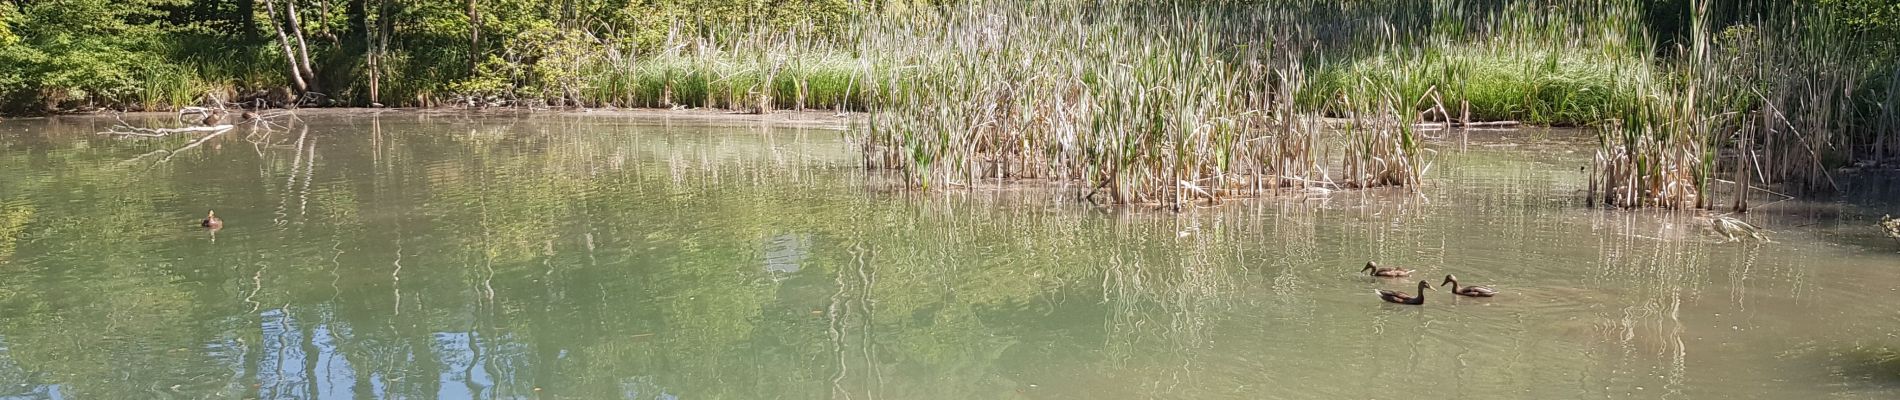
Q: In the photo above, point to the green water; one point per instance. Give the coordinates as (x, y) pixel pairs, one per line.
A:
(587, 257)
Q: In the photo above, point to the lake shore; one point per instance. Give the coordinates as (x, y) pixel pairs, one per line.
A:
(821, 119)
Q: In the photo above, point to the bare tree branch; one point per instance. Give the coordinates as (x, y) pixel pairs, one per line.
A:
(296, 75)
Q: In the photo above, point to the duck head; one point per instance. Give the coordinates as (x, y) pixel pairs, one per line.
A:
(1448, 280)
(211, 220)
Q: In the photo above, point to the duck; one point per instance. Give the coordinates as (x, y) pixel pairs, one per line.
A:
(1373, 269)
(212, 221)
(1393, 296)
(212, 119)
(1468, 291)
(1892, 225)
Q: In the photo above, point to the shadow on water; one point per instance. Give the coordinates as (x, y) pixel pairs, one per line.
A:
(431, 255)
(1877, 366)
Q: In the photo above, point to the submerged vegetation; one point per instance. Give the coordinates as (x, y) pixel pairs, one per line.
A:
(1698, 102)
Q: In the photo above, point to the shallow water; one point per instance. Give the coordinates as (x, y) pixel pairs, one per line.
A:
(564, 256)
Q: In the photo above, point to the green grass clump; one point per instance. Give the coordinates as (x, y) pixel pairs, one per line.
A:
(1477, 83)
(760, 72)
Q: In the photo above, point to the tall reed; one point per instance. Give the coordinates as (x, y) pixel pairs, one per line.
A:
(1776, 99)
(1162, 104)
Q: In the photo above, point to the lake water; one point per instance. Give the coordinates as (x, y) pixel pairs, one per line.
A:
(418, 255)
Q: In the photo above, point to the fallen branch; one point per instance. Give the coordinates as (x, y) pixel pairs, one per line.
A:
(1752, 187)
(143, 156)
(193, 144)
(126, 128)
(1480, 124)
(161, 132)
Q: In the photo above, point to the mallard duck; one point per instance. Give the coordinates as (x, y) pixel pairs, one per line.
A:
(212, 221)
(1470, 291)
(1394, 296)
(1892, 225)
(1373, 269)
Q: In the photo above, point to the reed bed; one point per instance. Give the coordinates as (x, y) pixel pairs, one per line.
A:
(1138, 103)
(1778, 100)
(1653, 156)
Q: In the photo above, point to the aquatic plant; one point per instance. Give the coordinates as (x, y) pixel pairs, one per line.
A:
(1774, 100)
(1138, 103)
(1650, 154)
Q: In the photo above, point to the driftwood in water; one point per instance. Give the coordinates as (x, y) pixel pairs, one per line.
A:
(1479, 124)
(126, 129)
(158, 132)
(213, 131)
(173, 153)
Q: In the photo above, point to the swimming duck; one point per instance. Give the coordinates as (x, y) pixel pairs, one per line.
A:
(1892, 225)
(212, 221)
(212, 119)
(1393, 296)
(1470, 291)
(1373, 269)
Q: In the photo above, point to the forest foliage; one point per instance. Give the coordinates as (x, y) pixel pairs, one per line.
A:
(160, 54)
(78, 55)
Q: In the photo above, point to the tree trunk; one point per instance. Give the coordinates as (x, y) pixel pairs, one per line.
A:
(1887, 120)
(378, 44)
(375, 77)
(303, 50)
(356, 17)
(1744, 157)
(371, 51)
(474, 37)
(296, 75)
(247, 19)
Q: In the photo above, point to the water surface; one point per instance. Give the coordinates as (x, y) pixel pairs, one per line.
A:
(416, 255)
